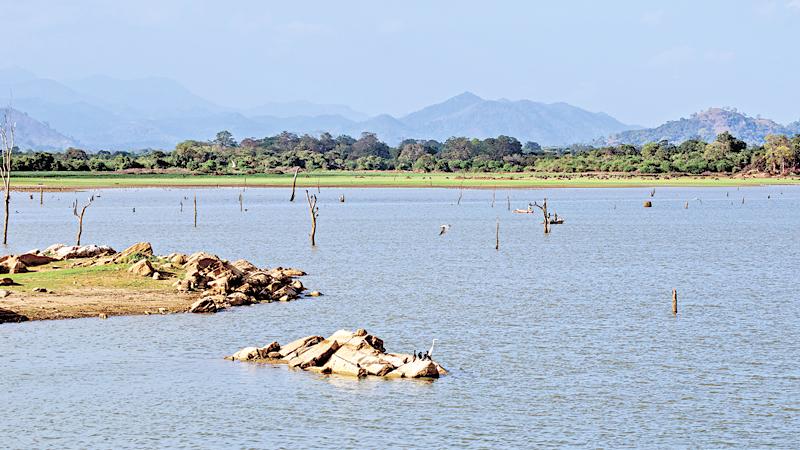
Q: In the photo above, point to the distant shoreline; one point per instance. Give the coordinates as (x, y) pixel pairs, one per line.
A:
(50, 181)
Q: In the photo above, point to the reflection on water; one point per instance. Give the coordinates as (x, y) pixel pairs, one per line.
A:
(558, 340)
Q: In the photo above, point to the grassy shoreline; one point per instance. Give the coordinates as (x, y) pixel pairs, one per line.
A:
(88, 180)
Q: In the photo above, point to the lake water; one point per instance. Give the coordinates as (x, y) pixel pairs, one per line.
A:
(559, 340)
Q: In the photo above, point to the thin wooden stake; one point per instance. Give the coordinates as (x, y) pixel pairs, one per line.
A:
(41, 196)
(494, 192)
(674, 302)
(508, 202)
(241, 206)
(497, 235)
(195, 210)
(294, 183)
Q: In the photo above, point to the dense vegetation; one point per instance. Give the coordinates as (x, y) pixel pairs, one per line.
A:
(726, 154)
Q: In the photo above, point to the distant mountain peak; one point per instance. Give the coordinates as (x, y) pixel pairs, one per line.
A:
(706, 125)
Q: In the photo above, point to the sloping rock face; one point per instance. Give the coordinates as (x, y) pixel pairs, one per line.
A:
(351, 353)
(61, 251)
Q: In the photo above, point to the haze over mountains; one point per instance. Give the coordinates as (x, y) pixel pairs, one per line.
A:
(101, 112)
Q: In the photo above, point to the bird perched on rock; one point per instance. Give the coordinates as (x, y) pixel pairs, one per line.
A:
(443, 229)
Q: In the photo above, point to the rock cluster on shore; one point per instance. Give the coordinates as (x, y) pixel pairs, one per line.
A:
(218, 282)
(352, 353)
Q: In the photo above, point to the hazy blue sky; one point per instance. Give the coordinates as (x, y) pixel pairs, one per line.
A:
(641, 61)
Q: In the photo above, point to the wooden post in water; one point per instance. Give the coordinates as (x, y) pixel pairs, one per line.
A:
(241, 206)
(674, 302)
(460, 194)
(494, 192)
(508, 202)
(41, 196)
(294, 183)
(195, 210)
(686, 205)
(497, 235)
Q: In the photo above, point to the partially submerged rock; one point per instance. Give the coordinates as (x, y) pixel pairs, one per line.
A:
(61, 251)
(352, 353)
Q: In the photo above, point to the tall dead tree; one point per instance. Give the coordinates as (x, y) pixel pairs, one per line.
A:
(7, 130)
(294, 183)
(543, 207)
(314, 210)
(79, 216)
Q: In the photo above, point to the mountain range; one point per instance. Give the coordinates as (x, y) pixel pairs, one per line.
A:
(101, 112)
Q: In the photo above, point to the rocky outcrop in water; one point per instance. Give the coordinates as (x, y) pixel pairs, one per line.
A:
(351, 353)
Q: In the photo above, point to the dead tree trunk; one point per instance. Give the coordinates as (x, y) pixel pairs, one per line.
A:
(7, 129)
(195, 210)
(543, 207)
(675, 302)
(497, 235)
(312, 208)
(460, 194)
(508, 202)
(41, 196)
(241, 205)
(294, 183)
(494, 194)
(79, 216)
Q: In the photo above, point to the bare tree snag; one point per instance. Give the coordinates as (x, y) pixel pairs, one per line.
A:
(241, 203)
(653, 192)
(79, 216)
(494, 194)
(294, 183)
(497, 235)
(319, 191)
(314, 210)
(341, 198)
(195, 210)
(508, 202)
(7, 130)
(543, 207)
(674, 302)
(460, 194)
(41, 196)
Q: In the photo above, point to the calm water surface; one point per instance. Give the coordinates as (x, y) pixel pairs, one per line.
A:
(559, 340)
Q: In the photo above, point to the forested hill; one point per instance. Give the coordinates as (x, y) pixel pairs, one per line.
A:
(30, 133)
(705, 126)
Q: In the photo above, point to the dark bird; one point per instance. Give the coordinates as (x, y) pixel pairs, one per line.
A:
(443, 229)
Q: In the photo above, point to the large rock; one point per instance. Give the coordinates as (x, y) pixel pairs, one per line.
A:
(204, 305)
(245, 354)
(34, 259)
(293, 348)
(140, 248)
(415, 369)
(61, 251)
(13, 265)
(244, 266)
(142, 268)
(316, 355)
(349, 358)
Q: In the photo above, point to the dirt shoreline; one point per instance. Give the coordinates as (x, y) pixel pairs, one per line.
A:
(92, 302)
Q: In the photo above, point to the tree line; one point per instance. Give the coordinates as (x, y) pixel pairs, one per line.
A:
(726, 154)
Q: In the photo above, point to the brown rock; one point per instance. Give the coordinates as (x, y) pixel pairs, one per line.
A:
(290, 349)
(6, 282)
(314, 294)
(204, 305)
(31, 259)
(415, 369)
(245, 354)
(4, 293)
(140, 248)
(239, 299)
(274, 355)
(648, 204)
(244, 266)
(13, 265)
(178, 259)
(316, 355)
(142, 268)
